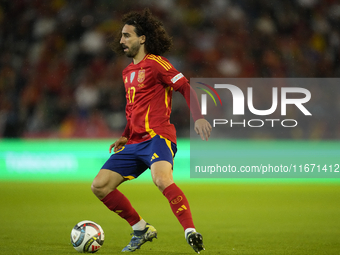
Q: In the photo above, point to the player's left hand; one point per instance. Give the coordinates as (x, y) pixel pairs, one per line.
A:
(203, 128)
(117, 145)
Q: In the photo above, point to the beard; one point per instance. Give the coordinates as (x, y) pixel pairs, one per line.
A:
(133, 50)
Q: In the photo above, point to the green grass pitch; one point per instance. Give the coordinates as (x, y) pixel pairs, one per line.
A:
(233, 217)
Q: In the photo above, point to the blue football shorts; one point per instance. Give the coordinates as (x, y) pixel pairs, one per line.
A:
(133, 159)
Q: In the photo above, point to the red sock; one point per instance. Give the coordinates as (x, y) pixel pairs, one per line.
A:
(179, 205)
(118, 203)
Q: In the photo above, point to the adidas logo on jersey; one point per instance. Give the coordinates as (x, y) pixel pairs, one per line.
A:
(154, 156)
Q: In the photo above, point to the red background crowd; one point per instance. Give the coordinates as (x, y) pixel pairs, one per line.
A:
(60, 79)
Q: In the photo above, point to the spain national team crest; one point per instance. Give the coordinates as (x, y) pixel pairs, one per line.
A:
(141, 76)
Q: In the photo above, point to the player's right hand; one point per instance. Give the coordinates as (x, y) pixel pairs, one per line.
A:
(117, 145)
(203, 128)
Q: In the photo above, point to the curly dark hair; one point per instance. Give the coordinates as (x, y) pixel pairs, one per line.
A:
(157, 41)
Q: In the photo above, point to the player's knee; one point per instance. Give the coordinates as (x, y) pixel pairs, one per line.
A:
(162, 183)
(98, 189)
(94, 188)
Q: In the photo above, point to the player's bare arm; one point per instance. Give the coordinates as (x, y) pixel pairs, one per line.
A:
(117, 145)
(203, 128)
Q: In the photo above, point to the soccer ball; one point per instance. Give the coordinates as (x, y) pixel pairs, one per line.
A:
(87, 236)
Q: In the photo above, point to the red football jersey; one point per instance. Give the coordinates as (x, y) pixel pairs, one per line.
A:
(149, 85)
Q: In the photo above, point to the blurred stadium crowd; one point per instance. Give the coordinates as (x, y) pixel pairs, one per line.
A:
(59, 78)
